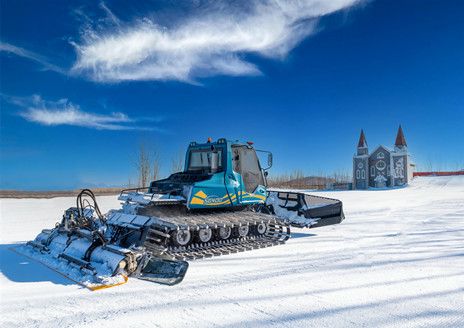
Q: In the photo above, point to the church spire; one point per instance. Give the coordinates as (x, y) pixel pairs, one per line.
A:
(400, 140)
(362, 140)
(362, 145)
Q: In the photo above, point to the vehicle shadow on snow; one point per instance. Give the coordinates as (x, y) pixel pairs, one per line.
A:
(19, 268)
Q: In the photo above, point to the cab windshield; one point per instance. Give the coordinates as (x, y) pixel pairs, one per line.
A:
(200, 160)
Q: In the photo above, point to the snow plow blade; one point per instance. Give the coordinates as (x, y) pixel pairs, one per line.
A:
(301, 209)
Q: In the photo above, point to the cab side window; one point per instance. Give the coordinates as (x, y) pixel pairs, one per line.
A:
(246, 163)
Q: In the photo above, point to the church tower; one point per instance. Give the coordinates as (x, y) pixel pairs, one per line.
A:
(402, 167)
(362, 144)
(361, 164)
(400, 142)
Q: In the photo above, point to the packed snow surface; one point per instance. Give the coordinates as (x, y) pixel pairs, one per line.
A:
(397, 260)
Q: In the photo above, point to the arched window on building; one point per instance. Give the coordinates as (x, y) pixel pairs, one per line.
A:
(372, 171)
(363, 174)
(357, 174)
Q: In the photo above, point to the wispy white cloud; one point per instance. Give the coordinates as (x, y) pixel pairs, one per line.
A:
(112, 17)
(212, 40)
(64, 112)
(21, 52)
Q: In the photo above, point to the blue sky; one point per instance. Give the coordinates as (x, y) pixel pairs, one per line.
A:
(84, 83)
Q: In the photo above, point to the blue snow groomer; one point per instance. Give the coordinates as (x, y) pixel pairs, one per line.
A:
(219, 204)
(222, 196)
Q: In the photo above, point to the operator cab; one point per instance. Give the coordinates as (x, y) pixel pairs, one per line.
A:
(237, 162)
(246, 163)
(210, 158)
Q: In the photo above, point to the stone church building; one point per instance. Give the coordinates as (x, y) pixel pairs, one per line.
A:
(383, 167)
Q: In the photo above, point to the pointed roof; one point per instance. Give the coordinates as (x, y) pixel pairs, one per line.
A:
(362, 140)
(400, 140)
(388, 150)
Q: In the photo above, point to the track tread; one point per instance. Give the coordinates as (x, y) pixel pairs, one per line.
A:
(170, 218)
(277, 235)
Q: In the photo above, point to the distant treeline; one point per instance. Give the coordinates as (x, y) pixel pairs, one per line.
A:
(298, 180)
(56, 193)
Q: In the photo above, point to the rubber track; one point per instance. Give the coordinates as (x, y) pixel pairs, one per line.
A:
(277, 234)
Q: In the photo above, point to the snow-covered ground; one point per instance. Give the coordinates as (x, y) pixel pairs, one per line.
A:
(397, 260)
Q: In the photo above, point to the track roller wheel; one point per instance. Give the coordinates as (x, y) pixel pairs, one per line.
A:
(204, 235)
(241, 231)
(260, 228)
(181, 237)
(224, 232)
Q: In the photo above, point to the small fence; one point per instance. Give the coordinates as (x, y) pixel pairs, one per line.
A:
(437, 173)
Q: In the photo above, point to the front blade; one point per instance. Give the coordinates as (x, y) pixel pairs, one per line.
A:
(163, 271)
(301, 209)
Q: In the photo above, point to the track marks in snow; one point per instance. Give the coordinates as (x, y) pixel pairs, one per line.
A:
(397, 260)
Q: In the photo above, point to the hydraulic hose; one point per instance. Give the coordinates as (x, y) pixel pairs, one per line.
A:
(80, 203)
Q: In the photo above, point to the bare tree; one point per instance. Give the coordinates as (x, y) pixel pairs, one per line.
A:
(148, 164)
(177, 162)
(143, 165)
(156, 163)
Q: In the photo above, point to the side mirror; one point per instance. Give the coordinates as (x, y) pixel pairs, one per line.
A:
(269, 160)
